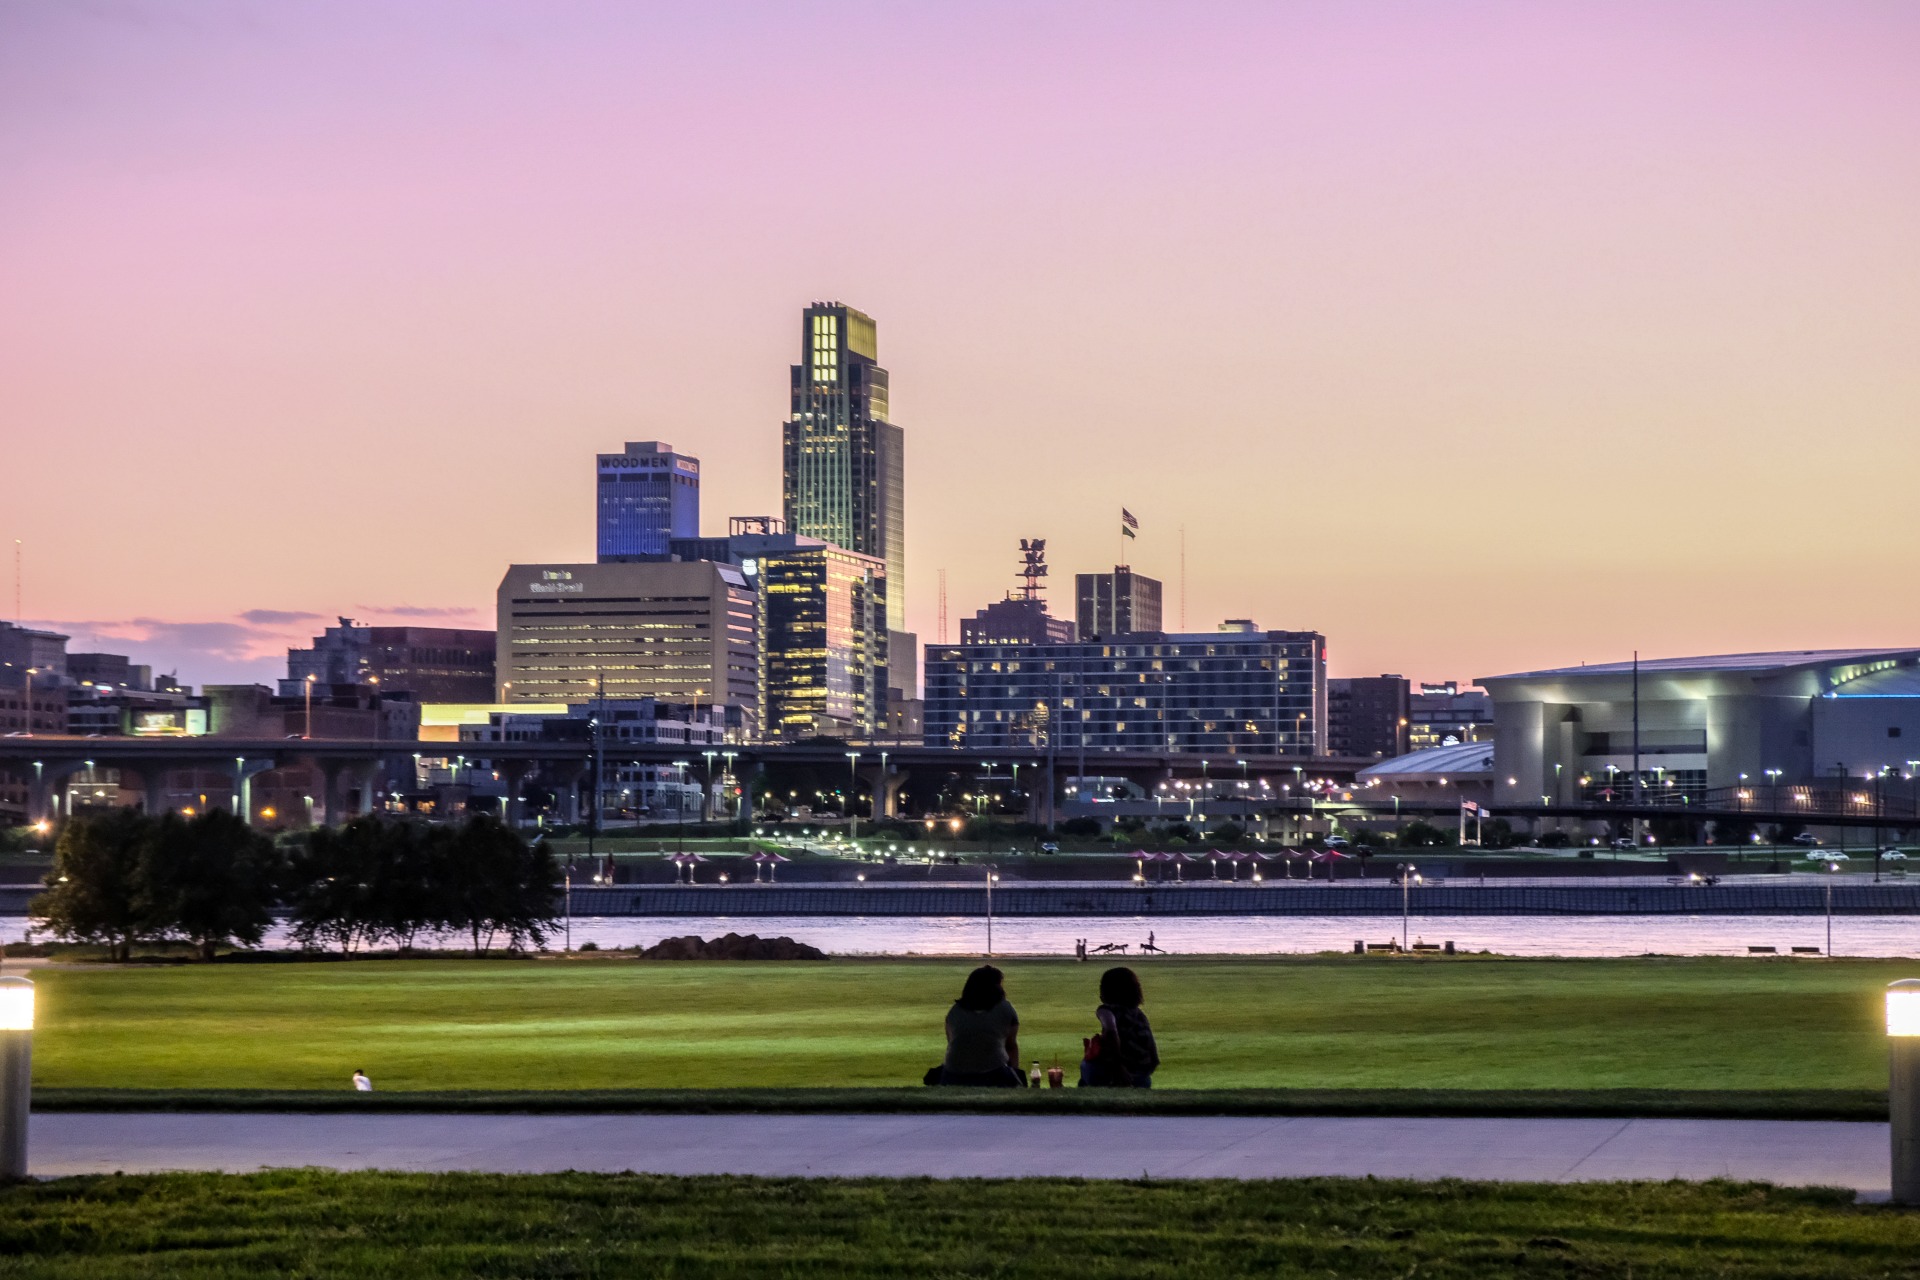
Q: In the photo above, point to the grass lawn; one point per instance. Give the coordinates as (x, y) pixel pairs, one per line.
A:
(1289, 1022)
(415, 1225)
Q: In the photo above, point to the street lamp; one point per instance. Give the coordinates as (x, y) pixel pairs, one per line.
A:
(679, 808)
(307, 733)
(706, 801)
(1903, 1095)
(992, 876)
(16, 1074)
(853, 789)
(1408, 875)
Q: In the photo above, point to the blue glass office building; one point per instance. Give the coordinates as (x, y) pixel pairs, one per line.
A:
(647, 495)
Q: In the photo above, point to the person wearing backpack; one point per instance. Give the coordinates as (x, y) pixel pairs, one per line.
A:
(982, 1035)
(1122, 1054)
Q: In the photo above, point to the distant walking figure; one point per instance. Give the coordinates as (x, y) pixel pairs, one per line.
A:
(360, 1082)
(983, 1034)
(1123, 1054)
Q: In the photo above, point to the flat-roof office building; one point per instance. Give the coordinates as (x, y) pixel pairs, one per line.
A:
(675, 632)
(646, 495)
(825, 658)
(1696, 725)
(1117, 603)
(1218, 693)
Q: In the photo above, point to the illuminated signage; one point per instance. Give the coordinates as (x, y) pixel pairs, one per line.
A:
(557, 582)
(648, 462)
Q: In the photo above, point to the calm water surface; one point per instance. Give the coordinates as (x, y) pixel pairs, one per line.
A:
(1260, 935)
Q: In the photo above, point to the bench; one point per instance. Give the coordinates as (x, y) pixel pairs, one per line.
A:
(1763, 951)
(1807, 951)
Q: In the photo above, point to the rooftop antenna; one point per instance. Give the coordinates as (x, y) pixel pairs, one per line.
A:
(18, 617)
(1183, 578)
(1033, 567)
(943, 606)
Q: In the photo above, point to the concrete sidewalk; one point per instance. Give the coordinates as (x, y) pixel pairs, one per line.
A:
(1803, 1153)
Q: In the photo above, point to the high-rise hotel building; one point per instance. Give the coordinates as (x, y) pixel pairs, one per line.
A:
(844, 469)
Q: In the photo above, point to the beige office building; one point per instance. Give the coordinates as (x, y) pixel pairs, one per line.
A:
(677, 632)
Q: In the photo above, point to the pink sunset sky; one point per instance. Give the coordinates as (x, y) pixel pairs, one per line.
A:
(1477, 336)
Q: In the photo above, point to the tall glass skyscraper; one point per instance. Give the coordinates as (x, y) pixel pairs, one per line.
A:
(844, 469)
(647, 495)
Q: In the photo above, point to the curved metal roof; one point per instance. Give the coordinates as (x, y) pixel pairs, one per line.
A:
(1460, 760)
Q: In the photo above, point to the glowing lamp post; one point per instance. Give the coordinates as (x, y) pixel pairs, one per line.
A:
(16, 1073)
(1903, 1094)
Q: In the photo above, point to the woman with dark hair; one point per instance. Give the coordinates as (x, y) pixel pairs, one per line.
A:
(982, 1034)
(1123, 1055)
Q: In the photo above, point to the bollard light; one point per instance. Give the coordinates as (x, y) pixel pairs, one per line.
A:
(16, 1004)
(1903, 1091)
(16, 1074)
(1903, 1008)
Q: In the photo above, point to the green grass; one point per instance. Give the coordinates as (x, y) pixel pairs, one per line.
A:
(315, 1224)
(1346, 1023)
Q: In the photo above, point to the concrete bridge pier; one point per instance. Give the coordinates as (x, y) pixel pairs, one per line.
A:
(245, 770)
(153, 786)
(514, 774)
(44, 787)
(330, 771)
(567, 794)
(885, 788)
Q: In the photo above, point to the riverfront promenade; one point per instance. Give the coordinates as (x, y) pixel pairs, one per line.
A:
(1786, 1152)
(1755, 895)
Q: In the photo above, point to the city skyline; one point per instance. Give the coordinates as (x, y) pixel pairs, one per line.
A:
(1484, 341)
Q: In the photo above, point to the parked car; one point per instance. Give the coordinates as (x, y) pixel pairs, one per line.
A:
(1336, 842)
(1620, 842)
(1807, 838)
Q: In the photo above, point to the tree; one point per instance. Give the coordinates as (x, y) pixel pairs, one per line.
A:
(210, 879)
(334, 886)
(409, 897)
(1424, 835)
(94, 892)
(1734, 832)
(1498, 833)
(1674, 830)
(494, 883)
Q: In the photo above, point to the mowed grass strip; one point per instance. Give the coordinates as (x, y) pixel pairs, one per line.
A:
(318, 1224)
(1287, 1023)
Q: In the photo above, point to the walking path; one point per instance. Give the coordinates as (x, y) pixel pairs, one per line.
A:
(1788, 1152)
